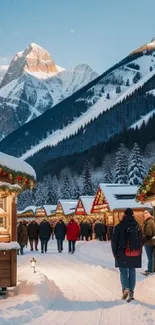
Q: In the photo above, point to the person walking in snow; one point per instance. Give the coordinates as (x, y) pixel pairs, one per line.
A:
(22, 237)
(45, 231)
(33, 233)
(127, 249)
(60, 232)
(148, 241)
(73, 232)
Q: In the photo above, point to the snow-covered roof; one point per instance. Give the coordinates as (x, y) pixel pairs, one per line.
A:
(68, 206)
(87, 202)
(121, 196)
(49, 209)
(16, 164)
(29, 208)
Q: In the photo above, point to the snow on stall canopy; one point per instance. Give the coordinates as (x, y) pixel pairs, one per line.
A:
(68, 206)
(49, 209)
(29, 208)
(16, 164)
(87, 202)
(122, 196)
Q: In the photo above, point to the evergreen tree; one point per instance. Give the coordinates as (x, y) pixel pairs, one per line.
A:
(137, 77)
(108, 177)
(118, 89)
(87, 182)
(108, 96)
(121, 175)
(53, 191)
(151, 68)
(136, 169)
(127, 83)
(76, 188)
(66, 184)
(25, 199)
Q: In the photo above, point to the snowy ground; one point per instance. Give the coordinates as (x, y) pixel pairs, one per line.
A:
(79, 289)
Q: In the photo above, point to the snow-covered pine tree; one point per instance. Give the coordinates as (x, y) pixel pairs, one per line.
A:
(66, 184)
(121, 170)
(76, 188)
(107, 169)
(54, 191)
(25, 199)
(108, 177)
(87, 182)
(136, 169)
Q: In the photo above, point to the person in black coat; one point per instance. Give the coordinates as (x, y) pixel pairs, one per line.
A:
(45, 231)
(33, 232)
(85, 230)
(60, 232)
(120, 247)
(100, 230)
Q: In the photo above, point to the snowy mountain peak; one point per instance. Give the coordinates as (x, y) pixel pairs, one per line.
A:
(33, 59)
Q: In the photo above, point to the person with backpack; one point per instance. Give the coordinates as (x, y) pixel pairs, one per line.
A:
(127, 249)
(148, 241)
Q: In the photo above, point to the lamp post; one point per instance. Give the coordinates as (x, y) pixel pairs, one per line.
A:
(33, 264)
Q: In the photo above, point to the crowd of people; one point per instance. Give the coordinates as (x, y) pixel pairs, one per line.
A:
(34, 231)
(127, 241)
(43, 231)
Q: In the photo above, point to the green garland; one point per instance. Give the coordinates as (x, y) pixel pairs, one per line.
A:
(16, 175)
(146, 186)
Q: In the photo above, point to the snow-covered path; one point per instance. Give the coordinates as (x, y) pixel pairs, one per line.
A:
(79, 289)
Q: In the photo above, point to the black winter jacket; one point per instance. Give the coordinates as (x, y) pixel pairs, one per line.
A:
(33, 230)
(119, 244)
(60, 230)
(45, 230)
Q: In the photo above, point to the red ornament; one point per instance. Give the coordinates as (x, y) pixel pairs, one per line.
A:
(19, 179)
(4, 174)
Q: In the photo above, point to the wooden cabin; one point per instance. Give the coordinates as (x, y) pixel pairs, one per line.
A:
(65, 210)
(15, 176)
(83, 208)
(146, 192)
(111, 201)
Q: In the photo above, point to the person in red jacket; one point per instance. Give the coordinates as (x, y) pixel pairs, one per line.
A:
(73, 232)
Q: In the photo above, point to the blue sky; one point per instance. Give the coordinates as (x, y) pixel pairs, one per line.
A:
(97, 32)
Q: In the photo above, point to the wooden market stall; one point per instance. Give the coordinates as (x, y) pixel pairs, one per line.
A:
(111, 201)
(15, 176)
(83, 209)
(146, 192)
(65, 210)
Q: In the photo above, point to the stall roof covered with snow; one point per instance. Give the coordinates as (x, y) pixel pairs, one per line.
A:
(32, 211)
(84, 205)
(66, 207)
(116, 197)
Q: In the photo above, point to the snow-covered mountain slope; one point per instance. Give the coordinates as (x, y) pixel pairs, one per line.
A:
(3, 70)
(90, 106)
(33, 84)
